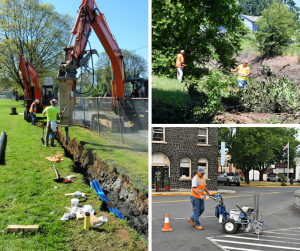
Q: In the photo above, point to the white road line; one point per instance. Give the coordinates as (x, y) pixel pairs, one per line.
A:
(253, 244)
(256, 239)
(279, 233)
(243, 249)
(277, 237)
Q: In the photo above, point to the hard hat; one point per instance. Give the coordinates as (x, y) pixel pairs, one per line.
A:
(54, 100)
(37, 101)
(182, 51)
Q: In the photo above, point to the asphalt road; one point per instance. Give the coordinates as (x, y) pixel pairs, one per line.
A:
(281, 230)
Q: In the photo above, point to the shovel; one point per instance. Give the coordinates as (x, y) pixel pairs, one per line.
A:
(42, 139)
(58, 178)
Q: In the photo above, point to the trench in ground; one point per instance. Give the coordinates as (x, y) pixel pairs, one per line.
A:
(132, 203)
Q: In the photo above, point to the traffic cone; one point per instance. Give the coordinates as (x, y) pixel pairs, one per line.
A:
(167, 227)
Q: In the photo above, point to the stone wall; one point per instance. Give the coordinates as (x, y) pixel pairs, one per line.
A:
(182, 142)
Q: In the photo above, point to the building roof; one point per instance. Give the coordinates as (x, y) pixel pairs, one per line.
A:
(253, 19)
(270, 170)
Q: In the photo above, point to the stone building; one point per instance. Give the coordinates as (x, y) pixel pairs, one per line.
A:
(177, 152)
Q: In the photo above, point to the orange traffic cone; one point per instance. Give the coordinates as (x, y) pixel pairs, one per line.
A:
(167, 224)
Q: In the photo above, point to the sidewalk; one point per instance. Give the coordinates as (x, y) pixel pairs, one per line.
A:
(187, 192)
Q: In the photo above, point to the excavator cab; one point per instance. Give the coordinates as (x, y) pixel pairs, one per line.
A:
(49, 91)
(138, 88)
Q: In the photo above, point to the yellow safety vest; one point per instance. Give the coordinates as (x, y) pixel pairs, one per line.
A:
(199, 188)
(243, 70)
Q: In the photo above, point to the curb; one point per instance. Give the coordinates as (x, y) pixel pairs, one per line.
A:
(272, 186)
(173, 194)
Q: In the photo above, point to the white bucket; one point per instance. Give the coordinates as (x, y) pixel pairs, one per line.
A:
(234, 214)
(74, 202)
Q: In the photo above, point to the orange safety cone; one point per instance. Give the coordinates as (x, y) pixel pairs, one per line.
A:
(167, 227)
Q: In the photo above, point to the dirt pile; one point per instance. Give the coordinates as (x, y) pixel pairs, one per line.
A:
(132, 204)
(281, 65)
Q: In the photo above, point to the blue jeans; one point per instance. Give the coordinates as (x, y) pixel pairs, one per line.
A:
(198, 209)
(242, 84)
(33, 118)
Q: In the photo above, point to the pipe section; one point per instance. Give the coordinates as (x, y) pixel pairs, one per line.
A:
(2, 142)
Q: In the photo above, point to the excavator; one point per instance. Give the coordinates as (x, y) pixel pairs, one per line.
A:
(89, 17)
(44, 94)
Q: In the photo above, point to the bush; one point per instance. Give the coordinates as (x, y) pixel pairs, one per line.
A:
(283, 183)
(271, 94)
(282, 177)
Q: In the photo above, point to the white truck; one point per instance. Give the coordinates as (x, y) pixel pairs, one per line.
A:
(229, 178)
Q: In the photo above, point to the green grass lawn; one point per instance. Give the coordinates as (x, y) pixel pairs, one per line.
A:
(28, 196)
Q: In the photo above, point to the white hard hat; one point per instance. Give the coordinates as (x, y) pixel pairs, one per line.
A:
(182, 51)
(37, 101)
(54, 100)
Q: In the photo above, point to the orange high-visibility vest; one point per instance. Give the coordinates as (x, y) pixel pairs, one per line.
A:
(179, 60)
(31, 109)
(243, 70)
(199, 188)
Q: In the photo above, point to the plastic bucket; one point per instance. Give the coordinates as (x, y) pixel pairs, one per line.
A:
(74, 202)
(234, 214)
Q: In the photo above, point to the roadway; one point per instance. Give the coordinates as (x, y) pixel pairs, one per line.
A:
(281, 230)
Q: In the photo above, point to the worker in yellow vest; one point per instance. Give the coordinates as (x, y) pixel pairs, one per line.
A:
(197, 197)
(179, 65)
(32, 111)
(243, 72)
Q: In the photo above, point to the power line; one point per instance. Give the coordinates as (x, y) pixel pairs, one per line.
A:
(139, 48)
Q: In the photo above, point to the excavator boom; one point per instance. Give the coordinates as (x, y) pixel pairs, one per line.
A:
(89, 17)
(27, 71)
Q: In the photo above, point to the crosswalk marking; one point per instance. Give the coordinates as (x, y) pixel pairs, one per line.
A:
(254, 244)
(268, 240)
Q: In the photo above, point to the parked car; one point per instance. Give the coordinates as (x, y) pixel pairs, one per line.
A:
(229, 178)
(274, 177)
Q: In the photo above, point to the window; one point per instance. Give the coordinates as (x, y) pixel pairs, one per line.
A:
(158, 134)
(185, 167)
(202, 136)
(203, 163)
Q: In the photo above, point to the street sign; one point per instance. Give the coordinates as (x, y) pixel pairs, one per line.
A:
(222, 153)
(276, 170)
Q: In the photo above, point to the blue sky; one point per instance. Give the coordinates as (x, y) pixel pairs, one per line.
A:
(297, 2)
(127, 20)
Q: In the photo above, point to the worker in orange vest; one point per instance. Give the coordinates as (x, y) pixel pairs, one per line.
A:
(179, 65)
(197, 197)
(32, 111)
(243, 72)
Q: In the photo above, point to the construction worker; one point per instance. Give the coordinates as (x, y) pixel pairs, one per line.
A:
(179, 65)
(52, 112)
(32, 111)
(136, 91)
(243, 72)
(197, 197)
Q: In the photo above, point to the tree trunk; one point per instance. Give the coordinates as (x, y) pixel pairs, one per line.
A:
(246, 174)
(261, 174)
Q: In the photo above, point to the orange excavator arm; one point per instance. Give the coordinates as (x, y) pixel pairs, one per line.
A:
(89, 17)
(27, 71)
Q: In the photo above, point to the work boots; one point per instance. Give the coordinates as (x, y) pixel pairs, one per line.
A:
(190, 221)
(199, 227)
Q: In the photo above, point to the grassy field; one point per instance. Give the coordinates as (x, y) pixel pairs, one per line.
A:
(28, 196)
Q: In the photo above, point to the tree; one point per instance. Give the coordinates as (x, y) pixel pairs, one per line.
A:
(255, 7)
(275, 29)
(34, 29)
(207, 30)
(258, 147)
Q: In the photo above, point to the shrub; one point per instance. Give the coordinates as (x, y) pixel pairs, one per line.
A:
(283, 183)
(282, 177)
(271, 94)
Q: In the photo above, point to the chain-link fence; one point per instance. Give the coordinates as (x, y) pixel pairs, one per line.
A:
(6, 95)
(129, 120)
